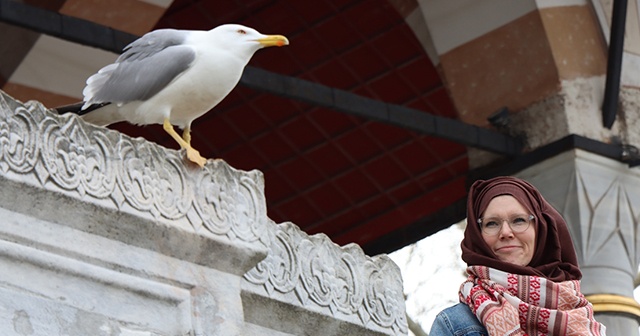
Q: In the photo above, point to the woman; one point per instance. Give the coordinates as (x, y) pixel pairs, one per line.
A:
(523, 270)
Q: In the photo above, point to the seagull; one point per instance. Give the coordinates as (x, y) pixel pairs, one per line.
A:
(171, 77)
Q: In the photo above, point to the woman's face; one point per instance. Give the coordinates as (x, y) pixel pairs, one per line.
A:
(512, 247)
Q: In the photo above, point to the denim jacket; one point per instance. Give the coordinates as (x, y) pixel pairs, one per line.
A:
(457, 320)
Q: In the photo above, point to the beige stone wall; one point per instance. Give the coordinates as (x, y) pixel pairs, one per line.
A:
(543, 60)
(576, 41)
(511, 66)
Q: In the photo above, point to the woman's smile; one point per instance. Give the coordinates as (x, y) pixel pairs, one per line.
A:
(507, 248)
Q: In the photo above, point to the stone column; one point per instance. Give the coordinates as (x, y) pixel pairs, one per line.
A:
(600, 200)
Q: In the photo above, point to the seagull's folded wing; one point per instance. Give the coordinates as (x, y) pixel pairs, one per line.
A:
(139, 73)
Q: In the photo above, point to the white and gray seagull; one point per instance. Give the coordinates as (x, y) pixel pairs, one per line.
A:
(171, 77)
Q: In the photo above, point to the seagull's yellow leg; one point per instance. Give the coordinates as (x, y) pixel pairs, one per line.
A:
(192, 154)
(186, 135)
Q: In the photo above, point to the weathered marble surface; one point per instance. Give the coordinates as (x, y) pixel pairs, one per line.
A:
(103, 234)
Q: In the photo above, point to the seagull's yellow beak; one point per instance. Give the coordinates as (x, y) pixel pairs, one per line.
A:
(273, 40)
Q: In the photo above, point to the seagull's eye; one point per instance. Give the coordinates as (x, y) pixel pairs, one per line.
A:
(242, 32)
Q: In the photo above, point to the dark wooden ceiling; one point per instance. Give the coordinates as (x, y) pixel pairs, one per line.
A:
(355, 146)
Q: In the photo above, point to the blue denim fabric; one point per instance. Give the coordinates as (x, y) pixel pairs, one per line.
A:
(457, 320)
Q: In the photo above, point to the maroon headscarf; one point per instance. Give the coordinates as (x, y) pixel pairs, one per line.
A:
(554, 257)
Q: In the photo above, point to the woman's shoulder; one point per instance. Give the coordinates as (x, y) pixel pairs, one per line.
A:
(457, 320)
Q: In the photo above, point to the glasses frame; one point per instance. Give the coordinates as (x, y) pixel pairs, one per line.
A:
(502, 220)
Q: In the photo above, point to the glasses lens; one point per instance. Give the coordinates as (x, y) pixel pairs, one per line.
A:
(492, 225)
(519, 223)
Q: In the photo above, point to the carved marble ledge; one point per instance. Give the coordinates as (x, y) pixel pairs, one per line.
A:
(328, 282)
(98, 181)
(101, 181)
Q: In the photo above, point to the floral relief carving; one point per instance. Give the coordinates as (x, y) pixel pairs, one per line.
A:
(147, 184)
(73, 165)
(341, 280)
(384, 296)
(231, 205)
(329, 275)
(280, 271)
(19, 148)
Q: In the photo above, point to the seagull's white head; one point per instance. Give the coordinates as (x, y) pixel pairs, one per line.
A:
(239, 37)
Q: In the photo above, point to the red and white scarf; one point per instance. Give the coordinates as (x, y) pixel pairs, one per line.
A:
(511, 304)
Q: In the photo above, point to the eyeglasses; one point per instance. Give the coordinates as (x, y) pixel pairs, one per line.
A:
(491, 226)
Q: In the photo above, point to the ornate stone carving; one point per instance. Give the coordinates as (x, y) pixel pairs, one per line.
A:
(102, 166)
(342, 281)
(19, 149)
(64, 154)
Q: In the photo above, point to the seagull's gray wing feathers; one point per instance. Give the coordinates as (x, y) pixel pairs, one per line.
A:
(146, 66)
(152, 43)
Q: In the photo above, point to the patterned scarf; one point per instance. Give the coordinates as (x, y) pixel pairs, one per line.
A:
(511, 304)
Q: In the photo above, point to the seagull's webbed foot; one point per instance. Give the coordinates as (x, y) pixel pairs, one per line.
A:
(192, 154)
(184, 142)
(195, 157)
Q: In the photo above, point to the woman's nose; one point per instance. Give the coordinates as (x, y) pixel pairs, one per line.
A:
(505, 230)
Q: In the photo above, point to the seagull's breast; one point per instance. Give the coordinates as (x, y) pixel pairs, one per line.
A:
(212, 75)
